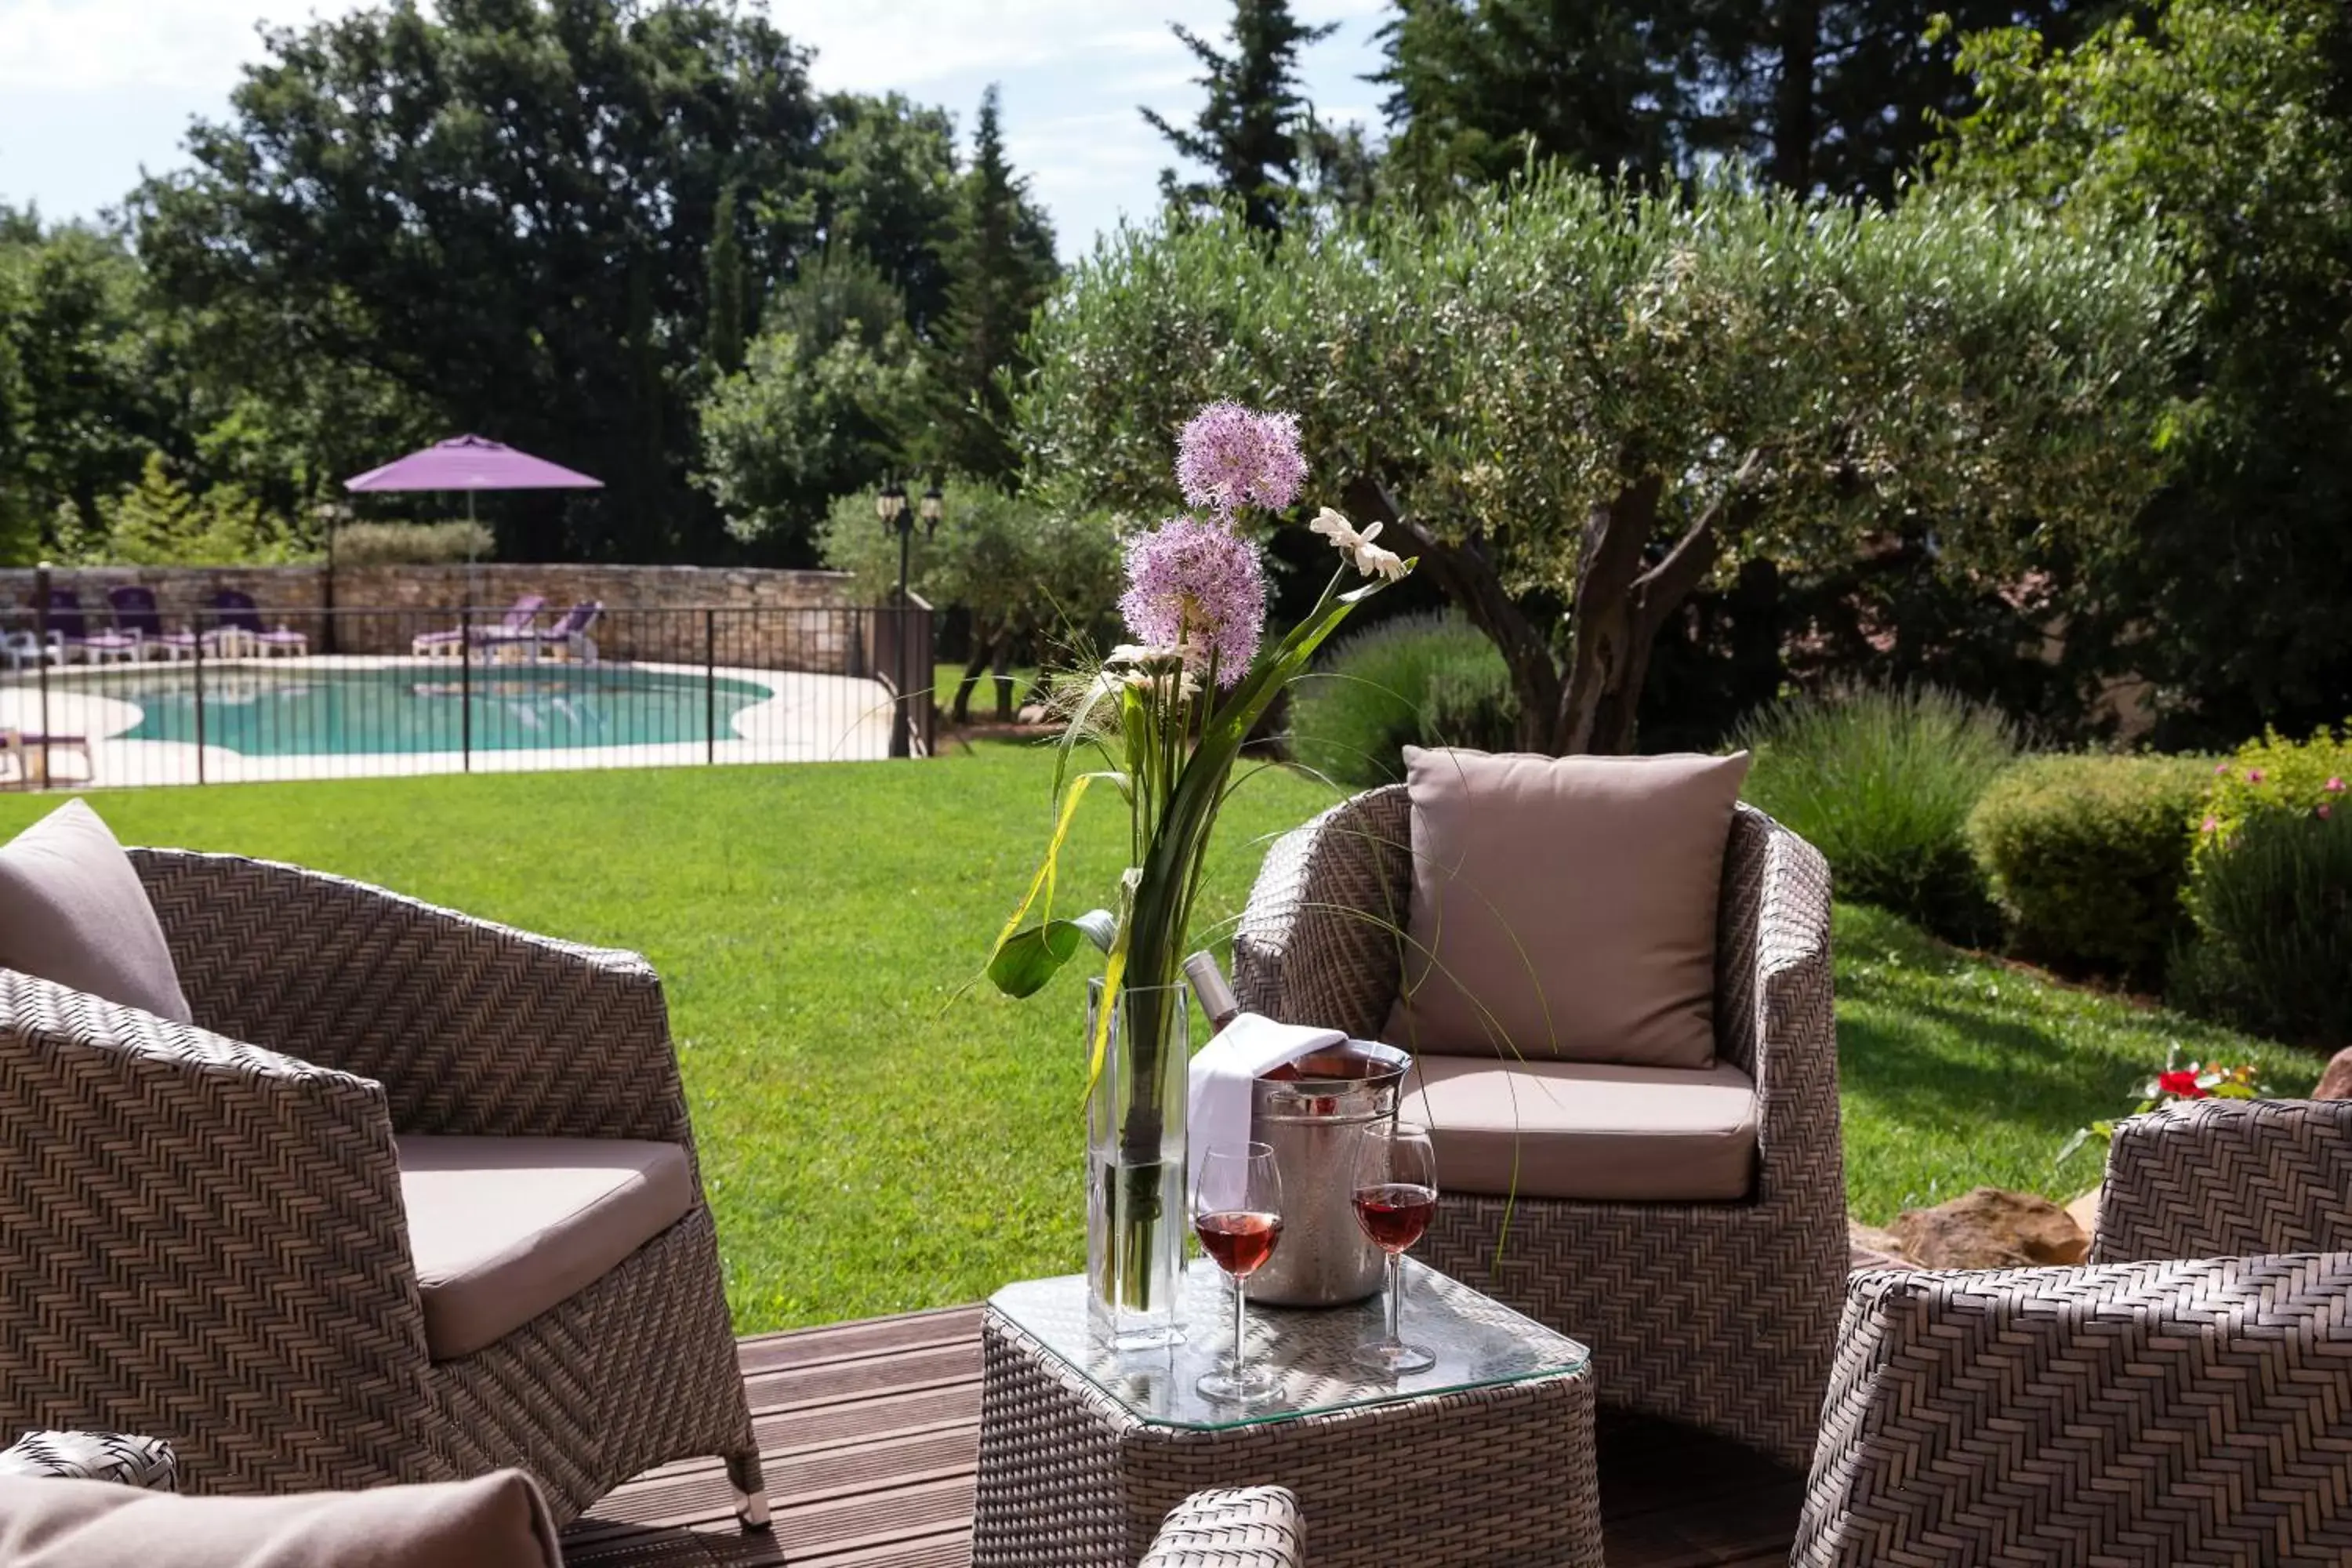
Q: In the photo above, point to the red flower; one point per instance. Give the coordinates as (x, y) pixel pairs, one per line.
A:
(2182, 1083)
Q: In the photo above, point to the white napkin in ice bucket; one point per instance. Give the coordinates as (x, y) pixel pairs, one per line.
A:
(1226, 1068)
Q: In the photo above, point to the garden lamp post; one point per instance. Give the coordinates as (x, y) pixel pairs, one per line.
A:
(891, 507)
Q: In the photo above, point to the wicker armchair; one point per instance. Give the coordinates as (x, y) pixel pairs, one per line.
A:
(202, 1232)
(1718, 1314)
(2185, 1397)
(1245, 1527)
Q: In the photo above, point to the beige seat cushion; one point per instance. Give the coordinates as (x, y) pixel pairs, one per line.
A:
(497, 1521)
(503, 1228)
(72, 912)
(1593, 1130)
(1564, 907)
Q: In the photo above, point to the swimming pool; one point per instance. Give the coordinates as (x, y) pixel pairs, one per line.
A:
(260, 711)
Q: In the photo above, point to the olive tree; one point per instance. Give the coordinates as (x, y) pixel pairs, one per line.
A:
(1022, 569)
(1576, 401)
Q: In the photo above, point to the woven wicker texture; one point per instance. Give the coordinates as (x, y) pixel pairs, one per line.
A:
(201, 1229)
(2155, 1411)
(1722, 1315)
(1248, 1527)
(147, 1463)
(1491, 1476)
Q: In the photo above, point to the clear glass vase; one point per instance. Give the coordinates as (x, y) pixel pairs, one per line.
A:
(1135, 1164)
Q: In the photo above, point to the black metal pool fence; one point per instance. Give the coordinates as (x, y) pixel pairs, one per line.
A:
(109, 697)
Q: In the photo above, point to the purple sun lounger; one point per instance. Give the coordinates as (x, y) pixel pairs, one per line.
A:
(514, 625)
(237, 616)
(135, 612)
(69, 633)
(568, 637)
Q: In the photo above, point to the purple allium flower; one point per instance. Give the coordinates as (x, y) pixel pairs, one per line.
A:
(1198, 587)
(1228, 456)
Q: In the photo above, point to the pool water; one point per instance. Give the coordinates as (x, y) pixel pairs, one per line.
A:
(261, 712)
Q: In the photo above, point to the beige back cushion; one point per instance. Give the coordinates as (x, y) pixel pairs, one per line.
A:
(72, 910)
(498, 1521)
(1564, 907)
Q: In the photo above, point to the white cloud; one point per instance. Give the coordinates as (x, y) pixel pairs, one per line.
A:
(96, 45)
(93, 91)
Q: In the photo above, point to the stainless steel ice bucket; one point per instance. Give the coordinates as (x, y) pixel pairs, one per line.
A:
(1310, 1114)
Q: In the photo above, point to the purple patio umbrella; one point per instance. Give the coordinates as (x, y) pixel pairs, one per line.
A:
(470, 463)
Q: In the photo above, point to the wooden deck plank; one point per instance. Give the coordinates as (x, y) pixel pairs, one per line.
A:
(870, 1435)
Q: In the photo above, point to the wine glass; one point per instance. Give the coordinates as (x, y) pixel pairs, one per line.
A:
(1237, 1214)
(1396, 1192)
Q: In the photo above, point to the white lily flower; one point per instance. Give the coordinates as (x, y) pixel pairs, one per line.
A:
(1146, 656)
(1370, 559)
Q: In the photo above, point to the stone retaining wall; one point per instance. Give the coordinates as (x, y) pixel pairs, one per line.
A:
(732, 615)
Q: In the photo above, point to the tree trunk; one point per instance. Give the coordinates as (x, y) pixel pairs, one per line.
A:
(1620, 609)
(1002, 665)
(1799, 28)
(1467, 574)
(983, 646)
(1615, 616)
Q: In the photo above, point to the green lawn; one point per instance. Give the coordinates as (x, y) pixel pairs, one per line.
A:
(875, 1140)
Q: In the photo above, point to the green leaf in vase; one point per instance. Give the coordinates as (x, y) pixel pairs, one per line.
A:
(1025, 961)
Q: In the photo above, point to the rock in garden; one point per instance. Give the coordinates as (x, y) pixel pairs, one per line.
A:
(1871, 1247)
(2336, 1083)
(2082, 1208)
(1989, 1228)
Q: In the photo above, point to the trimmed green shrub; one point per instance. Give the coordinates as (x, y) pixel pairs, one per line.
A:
(2086, 857)
(1414, 680)
(413, 543)
(1882, 782)
(2273, 907)
(2272, 775)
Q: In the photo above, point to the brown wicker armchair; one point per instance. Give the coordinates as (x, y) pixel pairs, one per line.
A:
(2185, 1397)
(1719, 1314)
(201, 1229)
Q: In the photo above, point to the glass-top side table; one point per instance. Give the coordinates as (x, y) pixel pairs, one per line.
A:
(1486, 1458)
(1478, 1342)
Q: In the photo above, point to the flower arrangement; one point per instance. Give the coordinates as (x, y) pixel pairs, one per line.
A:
(2173, 1084)
(1166, 716)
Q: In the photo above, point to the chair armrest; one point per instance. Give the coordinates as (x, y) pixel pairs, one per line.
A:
(2085, 1414)
(1247, 1527)
(2227, 1178)
(471, 1028)
(1774, 1006)
(203, 1240)
(1319, 941)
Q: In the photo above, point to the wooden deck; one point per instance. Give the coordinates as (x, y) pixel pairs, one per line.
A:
(870, 1431)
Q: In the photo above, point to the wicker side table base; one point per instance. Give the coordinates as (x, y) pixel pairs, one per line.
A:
(1490, 1477)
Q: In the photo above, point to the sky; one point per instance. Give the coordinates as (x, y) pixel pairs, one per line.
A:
(93, 91)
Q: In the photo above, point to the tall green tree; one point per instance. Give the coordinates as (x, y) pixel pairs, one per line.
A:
(1576, 404)
(889, 189)
(833, 394)
(1478, 88)
(724, 335)
(1250, 130)
(1003, 269)
(89, 383)
(2230, 120)
(503, 207)
(1836, 96)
